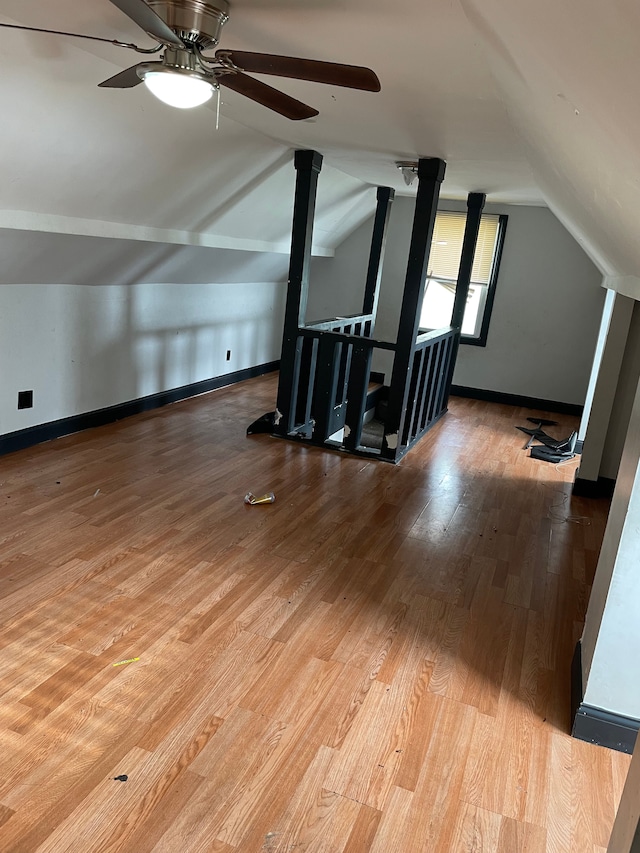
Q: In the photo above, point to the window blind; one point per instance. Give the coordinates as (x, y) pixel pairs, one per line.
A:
(446, 247)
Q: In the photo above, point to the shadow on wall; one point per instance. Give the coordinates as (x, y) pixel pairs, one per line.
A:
(125, 346)
(36, 257)
(89, 322)
(103, 364)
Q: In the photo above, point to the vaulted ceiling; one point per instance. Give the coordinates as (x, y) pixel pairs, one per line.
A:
(530, 103)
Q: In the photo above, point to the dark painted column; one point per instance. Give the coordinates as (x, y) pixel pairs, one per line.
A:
(308, 165)
(430, 176)
(475, 205)
(385, 196)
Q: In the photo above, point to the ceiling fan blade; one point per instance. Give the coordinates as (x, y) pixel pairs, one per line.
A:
(125, 79)
(146, 18)
(269, 97)
(333, 73)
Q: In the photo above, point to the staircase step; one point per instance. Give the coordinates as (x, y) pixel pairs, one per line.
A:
(372, 434)
(375, 393)
(381, 409)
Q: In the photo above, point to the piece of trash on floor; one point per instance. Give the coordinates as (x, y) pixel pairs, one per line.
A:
(122, 662)
(96, 493)
(122, 778)
(252, 500)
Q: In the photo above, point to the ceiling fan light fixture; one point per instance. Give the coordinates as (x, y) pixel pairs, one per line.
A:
(178, 89)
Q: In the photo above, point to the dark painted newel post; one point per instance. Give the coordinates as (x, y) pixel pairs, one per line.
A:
(475, 205)
(308, 165)
(384, 196)
(430, 176)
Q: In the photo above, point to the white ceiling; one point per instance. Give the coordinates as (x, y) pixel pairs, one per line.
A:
(530, 103)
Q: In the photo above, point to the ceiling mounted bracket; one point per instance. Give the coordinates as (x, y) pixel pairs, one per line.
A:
(409, 169)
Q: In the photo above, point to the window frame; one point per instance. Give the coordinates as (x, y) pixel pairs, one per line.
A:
(490, 288)
(481, 340)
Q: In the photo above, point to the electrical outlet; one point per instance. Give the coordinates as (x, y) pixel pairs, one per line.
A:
(25, 399)
(228, 355)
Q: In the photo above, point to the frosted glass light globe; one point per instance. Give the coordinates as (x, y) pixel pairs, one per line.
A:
(178, 90)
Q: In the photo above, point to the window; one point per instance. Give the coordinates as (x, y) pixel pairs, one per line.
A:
(442, 274)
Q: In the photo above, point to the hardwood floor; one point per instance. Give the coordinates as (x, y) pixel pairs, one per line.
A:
(376, 663)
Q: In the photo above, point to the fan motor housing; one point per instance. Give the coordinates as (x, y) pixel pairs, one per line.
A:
(195, 21)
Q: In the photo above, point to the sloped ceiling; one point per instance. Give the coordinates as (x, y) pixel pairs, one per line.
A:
(567, 73)
(531, 103)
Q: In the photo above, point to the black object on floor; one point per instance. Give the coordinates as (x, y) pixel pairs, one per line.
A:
(263, 424)
(534, 434)
(554, 449)
(562, 444)
(530, 431)
(556, 443)
(547, 454)
(561, 452)
(542, 421)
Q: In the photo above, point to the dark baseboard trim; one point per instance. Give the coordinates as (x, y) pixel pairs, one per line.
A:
(24, 438)
(600, 727)
(603, 487)
(517, 400)
(595, 725)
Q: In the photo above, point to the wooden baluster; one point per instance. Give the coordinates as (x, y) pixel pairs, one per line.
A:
(357, 390)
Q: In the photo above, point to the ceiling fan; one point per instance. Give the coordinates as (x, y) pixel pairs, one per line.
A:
(185, 77)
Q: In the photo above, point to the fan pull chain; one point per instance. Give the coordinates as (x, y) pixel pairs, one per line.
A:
(218, 110)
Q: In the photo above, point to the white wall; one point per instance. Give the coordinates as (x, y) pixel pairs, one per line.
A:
(545, 316)
(627, 383)
(598, 361)
(611, 639)
(601, 394)
(336, 285)
(81, 345)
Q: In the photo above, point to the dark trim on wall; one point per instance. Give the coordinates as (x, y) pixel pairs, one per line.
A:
(24, 438)
(600, 727)
(595, 725)
(603, 487)
(517, 400)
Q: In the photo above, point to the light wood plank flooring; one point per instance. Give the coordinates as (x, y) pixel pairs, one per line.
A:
(376, 663)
